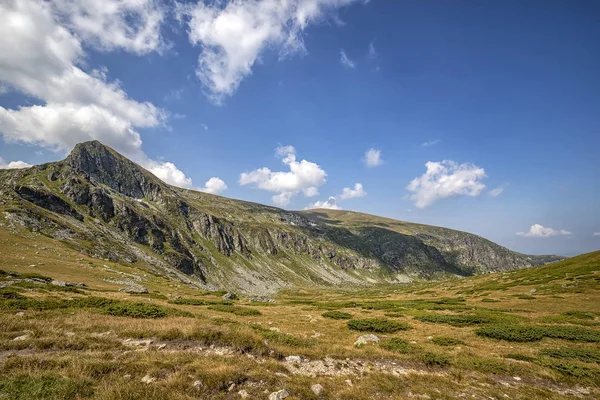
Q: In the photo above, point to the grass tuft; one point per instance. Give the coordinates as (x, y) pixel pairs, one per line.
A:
(381, 325)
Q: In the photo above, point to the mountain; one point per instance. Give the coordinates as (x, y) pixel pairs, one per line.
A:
(105, 206)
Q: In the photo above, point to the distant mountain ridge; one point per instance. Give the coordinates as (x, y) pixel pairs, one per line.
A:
(106, 206)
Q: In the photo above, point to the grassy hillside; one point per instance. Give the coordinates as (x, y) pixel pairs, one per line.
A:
(527, 334)
(103, 205)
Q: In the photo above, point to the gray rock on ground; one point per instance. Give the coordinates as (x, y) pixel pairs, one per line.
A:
(134, 289)
(261, 299)
(317, 389)
(364, 339)
(229, 296)
(279, 395)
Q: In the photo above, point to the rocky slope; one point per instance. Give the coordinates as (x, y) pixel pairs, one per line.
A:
(108, 207)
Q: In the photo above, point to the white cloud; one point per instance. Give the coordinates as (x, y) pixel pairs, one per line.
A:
(348, 193)
(497, 191)
(345, 61)
(596, 234)
(234, 34)
(214, 185)
(303, 176)
(430, 143)
(204, 126)
(538, 230)
(330, 204)
(132, 25)
(13, 164)
(42, 56)
(373, 158)
(446, 179)
(168, 172)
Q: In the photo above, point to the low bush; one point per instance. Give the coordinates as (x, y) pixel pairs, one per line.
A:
(243, 311)
(457, 320)
(381, 325)
(585, 355)
(337, 315)
(488, 300)
(434, 359)
(398, 345)
(10, 294)
(532, 333)
(512, 333)
(135, 310)
(446, 341)
(579, 314)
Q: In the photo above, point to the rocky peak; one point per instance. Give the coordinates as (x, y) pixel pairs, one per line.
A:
(101, 164)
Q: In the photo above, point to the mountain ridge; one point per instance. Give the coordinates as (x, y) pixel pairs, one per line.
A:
(106, 206)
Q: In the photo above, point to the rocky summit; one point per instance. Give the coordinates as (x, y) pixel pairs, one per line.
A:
(106, 206)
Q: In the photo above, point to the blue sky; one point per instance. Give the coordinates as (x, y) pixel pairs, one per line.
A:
(499, 99)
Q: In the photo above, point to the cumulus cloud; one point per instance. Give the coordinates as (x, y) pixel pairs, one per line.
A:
(13, 164)
(596, 234)
(330, 204)
(446, 179)
(303, 176)
(372, 158)
(42, 56)
(430, 143)
(214, 185)
(233, 35)
(539, 231)
(132, 25)
(345, 61)
(348, 193)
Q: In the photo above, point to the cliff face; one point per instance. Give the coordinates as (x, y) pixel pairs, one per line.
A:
(107, 206)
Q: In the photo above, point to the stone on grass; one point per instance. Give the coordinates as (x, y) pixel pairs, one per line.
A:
(243, 394)
(364, 339)
(317, 389)
(279, 395)
(229, 296)
(148, 379)
(21, 338)
(58, 283)
(261, 299)
(134, 289)
(294, 359)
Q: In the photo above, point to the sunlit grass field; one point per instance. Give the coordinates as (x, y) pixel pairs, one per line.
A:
(528, 334)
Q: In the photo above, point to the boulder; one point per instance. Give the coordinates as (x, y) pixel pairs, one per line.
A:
(261, 299)
(134, 289)
(279, 395)
(229, 296)
(364, 339)
(317, 389)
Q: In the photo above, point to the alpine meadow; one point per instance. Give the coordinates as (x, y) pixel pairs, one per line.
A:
(299, 199)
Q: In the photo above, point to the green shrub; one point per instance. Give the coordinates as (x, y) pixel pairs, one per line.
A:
(585, 355)
(135, 310)
(525, 297)
(434, 359)
(188, 302)
(394, 314)
(377, 325)
(572, 333)
(579, 314)
(446, 341)
(575, 370)
(398, 345)
(457, 320)
(512, 333)
(337, 315)
(10, 294)
(490, 365)
(531, 333)
(243, 311)
(488, 300)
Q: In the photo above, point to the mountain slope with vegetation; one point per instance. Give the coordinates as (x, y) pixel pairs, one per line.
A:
(105, 206)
